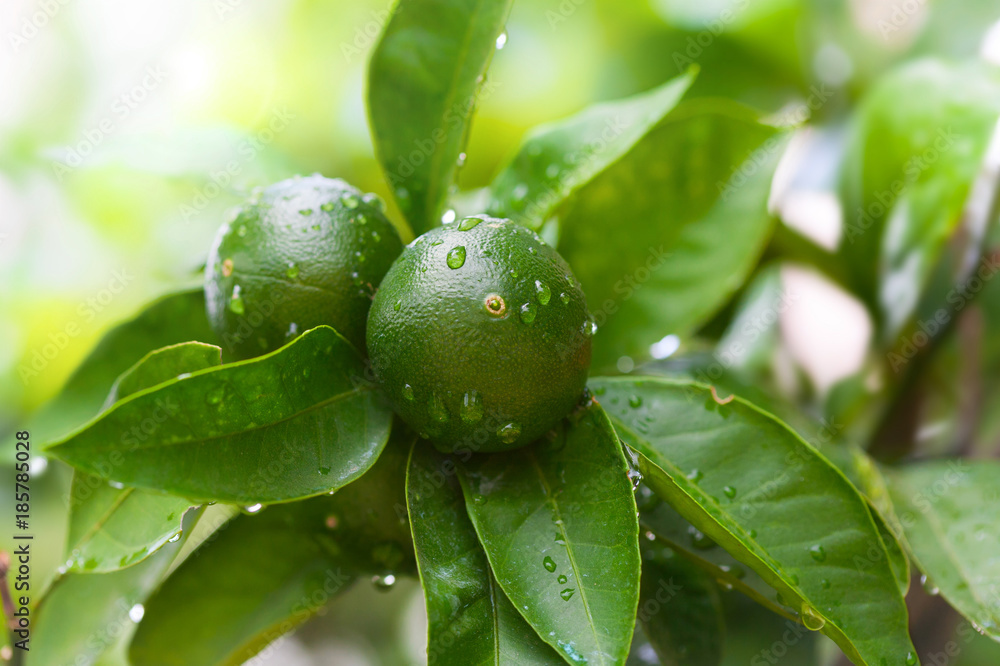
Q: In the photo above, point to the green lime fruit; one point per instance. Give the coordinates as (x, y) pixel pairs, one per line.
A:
(480, 335)
(300, 253)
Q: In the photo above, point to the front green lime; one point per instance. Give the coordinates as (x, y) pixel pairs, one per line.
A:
(300, 253)
(480, 335)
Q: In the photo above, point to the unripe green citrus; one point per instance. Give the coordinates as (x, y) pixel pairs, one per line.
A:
(301, 253)
(480, 335)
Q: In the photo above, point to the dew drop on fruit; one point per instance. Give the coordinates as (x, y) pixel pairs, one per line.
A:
(509, 433)
(356, 279)
(456, 257)
(349, 200)
(327, 207)
(397, 306)
(292, 271)
(468, 223)
(437, 410)
(817, 552)
(306, 211)
(542, 292)
(528, 313)
(472, 407)
(812, 620)
(407, 392)
(564, 297)
(549, 564)
(376, 237)
(567, 594)
(589, 327)
(236, 302)
(532, 250)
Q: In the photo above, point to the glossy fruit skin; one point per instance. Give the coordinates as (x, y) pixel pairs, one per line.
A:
(465, 369)
(300, 253)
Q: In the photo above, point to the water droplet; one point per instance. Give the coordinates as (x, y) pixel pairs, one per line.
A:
(635, 401)
(501, 40)
(327, 207)
(929, 586)
(472, 407)
(253, 508)
(812, 620)
(509, 433)
(448, 217)
(306, 211)
(456, 257)
(362, 220)
(357, 279)
(227, 267)
(729, 492)
(293, 330)
(542, 292)
(349, 200)
(136, 612)
(175, 538)
(468, 223)
(437, 410)
(359, 256)
(292, 271)
(397, 306)
(528, 313)
(513, 272)
(384, 582)
(480, 500)
(564, 297)
(549, 563)
(437, 242)
(911, 659)
(376, 237)
(567, 594)
(695, 475)
(562, 579)
(818, 552)
(753, 534)
(236, 302)
(589, 327)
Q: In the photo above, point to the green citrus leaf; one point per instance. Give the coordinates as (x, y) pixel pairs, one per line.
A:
(175, 318)
(83, 617)
(948, 511)
(557, 520)
(758, 490)
(297, 422)
(424, 77)
(470, 619)
(644, 236)
(906, 177)
(558, 159)
(111, 528)
(262, 575)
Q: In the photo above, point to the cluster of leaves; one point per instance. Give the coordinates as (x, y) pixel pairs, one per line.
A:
(657, 491)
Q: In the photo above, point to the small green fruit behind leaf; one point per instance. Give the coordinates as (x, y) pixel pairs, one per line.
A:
(301, 253)
(480, 335)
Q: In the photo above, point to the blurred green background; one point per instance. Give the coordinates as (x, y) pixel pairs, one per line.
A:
(128, 129)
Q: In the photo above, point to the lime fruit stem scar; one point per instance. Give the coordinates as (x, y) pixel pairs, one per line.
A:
(495, 305)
